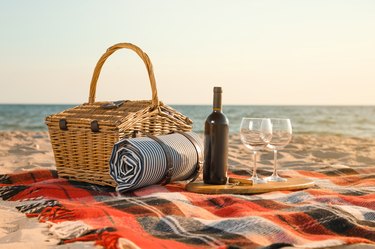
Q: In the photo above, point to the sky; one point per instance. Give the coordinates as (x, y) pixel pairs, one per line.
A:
(261, 52)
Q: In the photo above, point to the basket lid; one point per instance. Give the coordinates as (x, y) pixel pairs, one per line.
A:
(116, 113)
(106, 113)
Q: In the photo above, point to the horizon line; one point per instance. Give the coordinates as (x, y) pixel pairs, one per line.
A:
(200, 104)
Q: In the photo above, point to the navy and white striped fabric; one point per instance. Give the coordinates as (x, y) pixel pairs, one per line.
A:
(139, 162)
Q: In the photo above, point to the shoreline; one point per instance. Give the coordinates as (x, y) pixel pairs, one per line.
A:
(356, 121)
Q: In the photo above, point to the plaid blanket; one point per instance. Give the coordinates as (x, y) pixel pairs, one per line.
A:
(339, 210)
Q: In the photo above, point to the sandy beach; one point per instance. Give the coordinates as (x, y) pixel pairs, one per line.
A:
(20, 151)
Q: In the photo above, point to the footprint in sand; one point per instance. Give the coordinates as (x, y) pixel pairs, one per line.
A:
(329, 154)
(22, 150)
(366, 160)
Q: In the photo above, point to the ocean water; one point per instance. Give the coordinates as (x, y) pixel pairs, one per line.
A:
(357, 121)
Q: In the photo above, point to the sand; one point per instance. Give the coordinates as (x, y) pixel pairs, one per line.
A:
(25, 151)
(20, 151)
(310, 152)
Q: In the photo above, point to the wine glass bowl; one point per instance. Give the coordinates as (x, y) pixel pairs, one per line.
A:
(255, 134)
(281, 137)
(252, 141)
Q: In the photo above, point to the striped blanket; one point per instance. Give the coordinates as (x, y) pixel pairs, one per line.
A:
(339, 210)
(143, 161)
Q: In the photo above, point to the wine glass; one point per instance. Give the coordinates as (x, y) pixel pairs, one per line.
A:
(255, 134)
(281, 136)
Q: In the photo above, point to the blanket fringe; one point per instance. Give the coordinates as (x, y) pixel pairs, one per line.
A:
(8, 192)
(65, 226)
(103, 237)
(36, 207)
(69, 229)
(56, 214)
(108, 240)
(5, 179)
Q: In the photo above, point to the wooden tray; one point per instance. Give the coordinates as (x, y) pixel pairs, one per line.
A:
(244, 186)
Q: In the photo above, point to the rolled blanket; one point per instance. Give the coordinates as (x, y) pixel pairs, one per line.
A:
(143, 161)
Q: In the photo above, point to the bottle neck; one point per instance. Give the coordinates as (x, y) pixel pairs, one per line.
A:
(217, 102)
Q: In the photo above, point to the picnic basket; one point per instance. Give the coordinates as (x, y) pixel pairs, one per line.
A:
(82, 137)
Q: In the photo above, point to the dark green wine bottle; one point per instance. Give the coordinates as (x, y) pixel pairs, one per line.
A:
(216, 133)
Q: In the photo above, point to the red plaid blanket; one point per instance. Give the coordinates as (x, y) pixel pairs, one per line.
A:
(339, 210)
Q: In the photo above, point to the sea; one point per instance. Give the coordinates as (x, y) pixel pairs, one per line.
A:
(355, 121)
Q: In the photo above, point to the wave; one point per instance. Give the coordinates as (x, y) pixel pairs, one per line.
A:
(335, 120)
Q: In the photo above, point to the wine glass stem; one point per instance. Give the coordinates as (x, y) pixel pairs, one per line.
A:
(254, 164)
(275, 163)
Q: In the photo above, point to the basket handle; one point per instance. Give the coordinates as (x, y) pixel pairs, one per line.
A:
(111, 50)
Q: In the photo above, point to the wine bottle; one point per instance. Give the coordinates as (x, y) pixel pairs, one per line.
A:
(216, 132)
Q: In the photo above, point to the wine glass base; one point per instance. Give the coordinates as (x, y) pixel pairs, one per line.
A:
(275, 179)
(258, 180)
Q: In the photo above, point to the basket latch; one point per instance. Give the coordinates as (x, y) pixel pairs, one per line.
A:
(63, 124)
(94, 126)
(112, 105)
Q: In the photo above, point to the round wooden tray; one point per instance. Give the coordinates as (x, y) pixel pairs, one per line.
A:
(243, 186)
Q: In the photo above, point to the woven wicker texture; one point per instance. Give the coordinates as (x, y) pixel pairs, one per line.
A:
(81, 152)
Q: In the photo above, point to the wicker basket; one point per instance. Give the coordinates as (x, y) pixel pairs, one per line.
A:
(83, 137)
